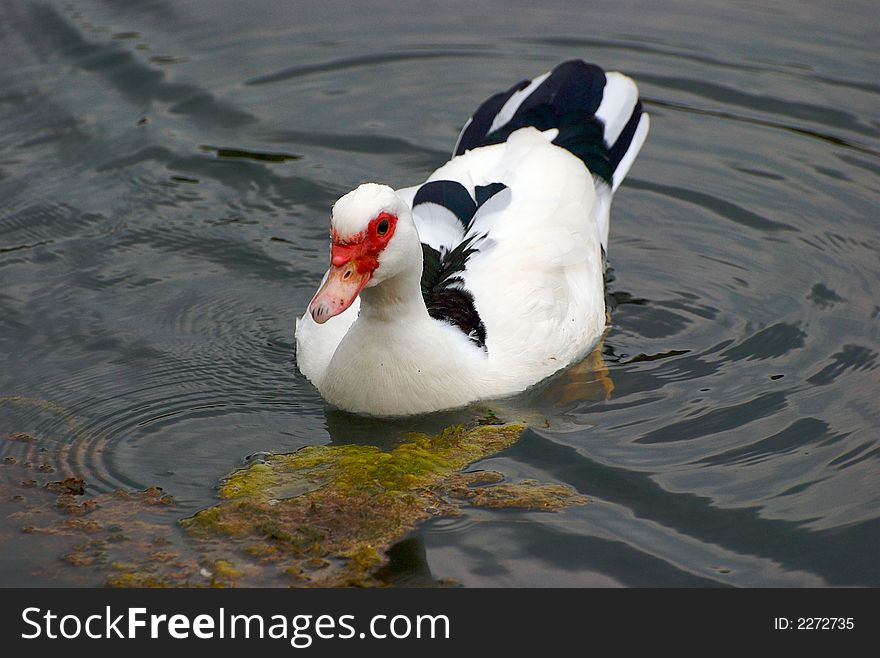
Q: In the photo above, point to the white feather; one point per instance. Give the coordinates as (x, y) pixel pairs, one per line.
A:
(626, 162)
(507, 111)
(618, 100)
(437, 226)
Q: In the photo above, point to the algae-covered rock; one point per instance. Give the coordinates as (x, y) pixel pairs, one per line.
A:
(326, 515)
(321, 516)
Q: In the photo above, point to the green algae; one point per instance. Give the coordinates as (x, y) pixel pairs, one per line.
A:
(321, 516)
(354, 469)
(351, 503)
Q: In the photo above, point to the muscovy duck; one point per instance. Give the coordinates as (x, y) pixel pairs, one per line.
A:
(488, 277)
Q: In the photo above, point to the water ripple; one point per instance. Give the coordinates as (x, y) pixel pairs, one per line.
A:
(706, 422)
(719, 207)
(361, 61)
(125, 73)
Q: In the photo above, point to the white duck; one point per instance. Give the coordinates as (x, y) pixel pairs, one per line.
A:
(489, 277)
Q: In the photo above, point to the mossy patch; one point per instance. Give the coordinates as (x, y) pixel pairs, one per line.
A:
(321, 516)
(326, 515)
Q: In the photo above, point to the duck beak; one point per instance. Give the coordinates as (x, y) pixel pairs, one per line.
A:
(339, 291)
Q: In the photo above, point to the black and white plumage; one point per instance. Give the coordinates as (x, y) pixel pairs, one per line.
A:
(488, 277)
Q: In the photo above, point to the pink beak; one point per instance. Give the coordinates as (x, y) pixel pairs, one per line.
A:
(339, 291)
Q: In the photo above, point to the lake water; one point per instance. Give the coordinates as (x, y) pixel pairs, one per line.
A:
(166, 173)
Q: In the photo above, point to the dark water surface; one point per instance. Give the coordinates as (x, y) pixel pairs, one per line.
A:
(166, 172)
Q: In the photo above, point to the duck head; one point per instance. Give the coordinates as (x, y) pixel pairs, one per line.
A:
(373, 239)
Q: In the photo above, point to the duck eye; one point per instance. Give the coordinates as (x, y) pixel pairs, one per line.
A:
(382, 227)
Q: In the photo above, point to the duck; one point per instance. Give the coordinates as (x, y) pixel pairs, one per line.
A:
(489, 277)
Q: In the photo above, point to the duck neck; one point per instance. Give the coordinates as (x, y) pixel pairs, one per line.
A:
(398, 299)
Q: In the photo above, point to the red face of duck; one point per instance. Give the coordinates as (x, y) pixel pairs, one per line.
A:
(353, 260)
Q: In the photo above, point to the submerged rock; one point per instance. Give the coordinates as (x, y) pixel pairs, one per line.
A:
(326, 515)
(322, 516)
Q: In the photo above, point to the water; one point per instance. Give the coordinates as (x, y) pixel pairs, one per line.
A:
(166, 171)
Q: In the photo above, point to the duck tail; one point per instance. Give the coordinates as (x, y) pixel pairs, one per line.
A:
(597, 115)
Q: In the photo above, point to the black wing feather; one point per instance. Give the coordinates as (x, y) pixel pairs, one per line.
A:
(443, 291)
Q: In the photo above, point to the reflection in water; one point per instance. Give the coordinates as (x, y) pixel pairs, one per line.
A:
(408, 565)
(164, 221)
